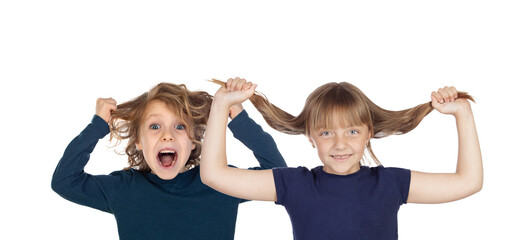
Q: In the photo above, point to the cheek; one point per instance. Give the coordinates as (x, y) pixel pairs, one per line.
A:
(146, 143)
(187, 144)
(359, 147)
(322, 148)
(142, 142)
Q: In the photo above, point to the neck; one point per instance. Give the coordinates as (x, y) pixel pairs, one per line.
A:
(349, 171)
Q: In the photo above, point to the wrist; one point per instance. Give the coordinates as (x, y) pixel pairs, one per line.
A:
(219, 105)
(464, 111)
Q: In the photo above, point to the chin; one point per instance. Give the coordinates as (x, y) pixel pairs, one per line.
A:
(341, 170)
(166, 176)
(165, 173)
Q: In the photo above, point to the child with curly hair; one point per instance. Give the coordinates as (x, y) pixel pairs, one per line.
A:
(160, 195)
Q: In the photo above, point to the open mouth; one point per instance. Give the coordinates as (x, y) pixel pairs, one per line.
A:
(167, 158)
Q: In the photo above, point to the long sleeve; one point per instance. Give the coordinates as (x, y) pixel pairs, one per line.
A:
(69, 179)
(264, 148)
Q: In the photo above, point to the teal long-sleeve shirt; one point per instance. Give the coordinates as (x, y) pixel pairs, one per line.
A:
(148, 207)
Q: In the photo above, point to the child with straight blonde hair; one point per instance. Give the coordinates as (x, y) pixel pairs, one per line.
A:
(343, 199)
(160, 195)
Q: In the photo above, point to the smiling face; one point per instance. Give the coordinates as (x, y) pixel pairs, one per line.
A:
(340, 148)
(164, 140)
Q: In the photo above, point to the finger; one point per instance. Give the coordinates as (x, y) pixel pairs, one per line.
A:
(450, 94)
(104, 108)
(435, 97)
(113, 106)
(455, 92)
(434, 101)
(239, 84)
(247, 85)
(253, 87)
(110, 101)
(245, 82)
(234, 84)
(437, 100)
(438, 97)
(229, 84)
(104, 101)
(444, 94)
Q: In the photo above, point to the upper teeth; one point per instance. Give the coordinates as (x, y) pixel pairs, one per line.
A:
(167, 151)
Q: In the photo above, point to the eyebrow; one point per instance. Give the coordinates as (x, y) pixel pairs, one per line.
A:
(153, 115)
(158, 115)
(345, 127)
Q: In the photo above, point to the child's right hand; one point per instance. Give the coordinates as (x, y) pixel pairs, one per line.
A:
(232, 85)
(104, 108)
(237, 90)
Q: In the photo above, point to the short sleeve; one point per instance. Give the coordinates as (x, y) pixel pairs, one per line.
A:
(288, 182)
(402, 178)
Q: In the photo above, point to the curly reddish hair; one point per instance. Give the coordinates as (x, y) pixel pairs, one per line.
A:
(193, 107)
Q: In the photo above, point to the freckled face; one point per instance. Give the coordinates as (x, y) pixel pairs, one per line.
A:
(164, 140)
(340, 149)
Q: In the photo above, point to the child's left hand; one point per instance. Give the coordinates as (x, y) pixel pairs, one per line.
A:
(446, 101)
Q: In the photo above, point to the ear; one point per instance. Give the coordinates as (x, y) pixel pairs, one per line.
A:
(138, 146)
(193, 145)
(369, 138)
(311, 141)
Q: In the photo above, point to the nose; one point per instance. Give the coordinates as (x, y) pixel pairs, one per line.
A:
(340, 143)
(167, 136)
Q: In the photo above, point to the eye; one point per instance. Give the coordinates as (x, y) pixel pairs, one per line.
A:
(325, 133)
(155, 126)
(353, 132)
(180, 127)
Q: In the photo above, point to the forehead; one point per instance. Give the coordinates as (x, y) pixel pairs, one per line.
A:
(158, 108)
(336, 121)
(338, 116)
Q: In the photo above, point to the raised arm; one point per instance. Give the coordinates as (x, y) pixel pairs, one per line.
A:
(468, 178)
(240, 183)
(69, 179)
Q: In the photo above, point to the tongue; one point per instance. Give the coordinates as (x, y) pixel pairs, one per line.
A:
(166, 160)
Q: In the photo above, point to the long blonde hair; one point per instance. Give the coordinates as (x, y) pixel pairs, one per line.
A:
(193, 107)
(338, 98)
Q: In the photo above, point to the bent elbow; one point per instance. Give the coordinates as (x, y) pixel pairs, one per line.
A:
(210, 182)
(61, 184)
(475, 187)
(479, 184)
(206, 178)
(478, 187)
(57, 185)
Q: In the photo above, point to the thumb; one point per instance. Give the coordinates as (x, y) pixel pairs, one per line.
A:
(250, 91)
(253, 87)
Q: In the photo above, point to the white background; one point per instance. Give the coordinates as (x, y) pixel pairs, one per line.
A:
(57, 57)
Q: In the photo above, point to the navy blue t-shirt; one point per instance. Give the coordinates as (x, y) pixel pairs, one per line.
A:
(362, 205)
